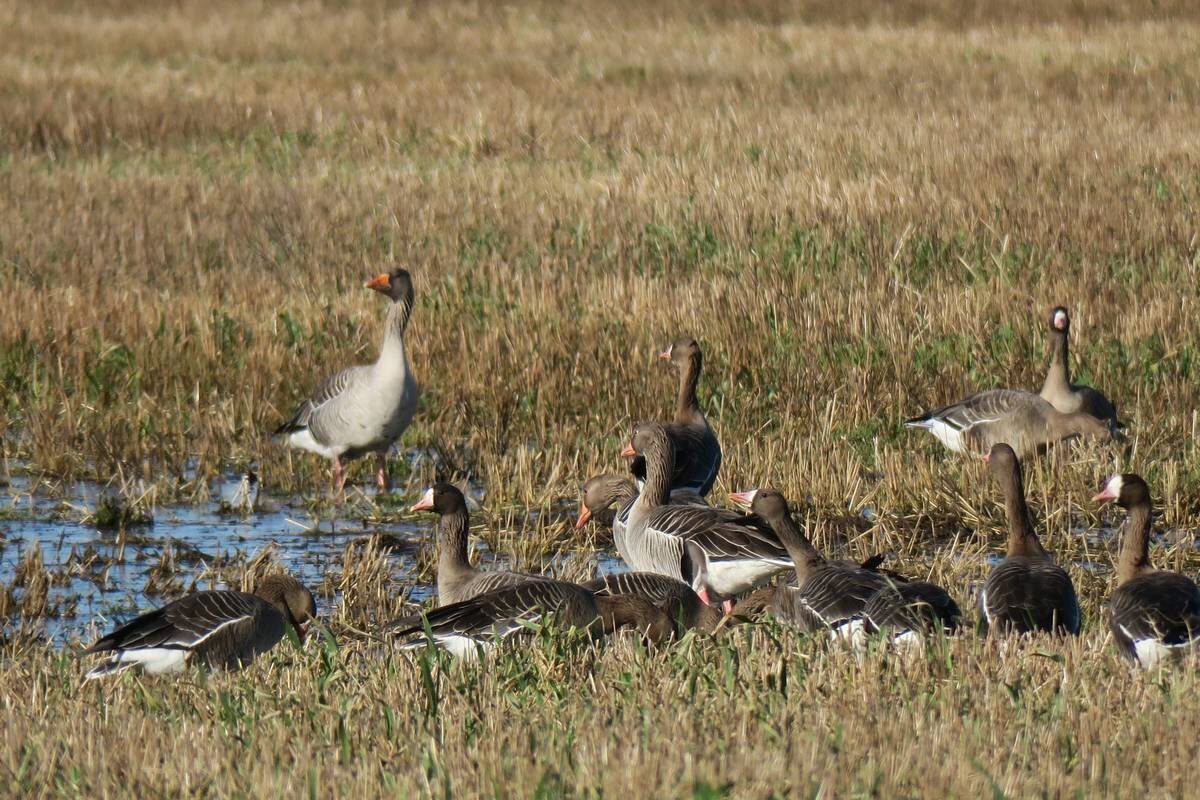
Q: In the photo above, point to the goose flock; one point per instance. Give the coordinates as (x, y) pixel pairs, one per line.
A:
(693, 565)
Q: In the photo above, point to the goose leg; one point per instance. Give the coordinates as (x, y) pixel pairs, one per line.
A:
(381, 474)
(728, 606)
(339, 478)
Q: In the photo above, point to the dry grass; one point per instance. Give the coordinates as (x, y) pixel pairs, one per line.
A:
(859, 210)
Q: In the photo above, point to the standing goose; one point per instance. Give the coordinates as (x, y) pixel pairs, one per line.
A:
(1027, 591)
(739, 552)
(219, 629)
(697, 451)
(1155, 613)
(363, 409)
(827, 594)
(1058, 390)
(457, 580)
(1022, 419)
(468, 627)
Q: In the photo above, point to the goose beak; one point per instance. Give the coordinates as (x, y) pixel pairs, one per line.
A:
(425, 503)
(628, 452)
(585, 515)
(1104, 497)
(744, 499)
(380, 283)
(987, 458)
(301, 631)
(665, 355)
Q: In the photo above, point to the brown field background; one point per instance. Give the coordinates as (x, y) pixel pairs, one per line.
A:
(861, 209)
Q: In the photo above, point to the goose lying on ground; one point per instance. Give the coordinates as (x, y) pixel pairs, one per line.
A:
(906, 614)
(1021, 419)
(1155, 614)
(466, 628)
(220, 629)
(363, 409)
(1058, 390)
(457, 580)
(1027, 591)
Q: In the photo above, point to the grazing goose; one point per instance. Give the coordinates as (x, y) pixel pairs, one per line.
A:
(1027, 591)
(678, 600)
(457, 580)
(219, 629)
(363, 409)
(739, 552)
(697, 451)
(827, 594)
(1058, 390)
(1022, 419)
(907, 613)
(603, 491)
(1155, 613)
(466, 628)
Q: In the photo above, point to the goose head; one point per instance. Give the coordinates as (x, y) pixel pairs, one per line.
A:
(397, 285)
(291, 598)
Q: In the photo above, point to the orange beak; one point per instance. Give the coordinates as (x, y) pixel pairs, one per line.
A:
(628, 452)
(585, 516)
(743, 499)
(380, 283)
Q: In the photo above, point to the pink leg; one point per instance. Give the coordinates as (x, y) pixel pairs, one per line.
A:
(381, 474)
(728, 606)
(339, 479)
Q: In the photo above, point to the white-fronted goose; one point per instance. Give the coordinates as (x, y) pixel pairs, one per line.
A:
(363, 409)
(827, 594)
(1155, 614)
(472, 626)
(1021, 419)
(457, 580)
(740, 552)
(678, 600)
(1058, 390)
(1027, 591)
(697, 451)
(907, 614)
(219, 629)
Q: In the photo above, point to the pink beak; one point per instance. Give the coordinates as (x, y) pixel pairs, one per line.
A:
(1104, 496)
(425, 503)
(987, 458)
(744, 499)
(628, 452)
(665, 355)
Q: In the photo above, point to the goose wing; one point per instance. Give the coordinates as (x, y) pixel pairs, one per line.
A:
(1030, 594)
(720, 534)
(500, 613)
(329, 390)
(183, 624)
(980, 408)
(1163, 605)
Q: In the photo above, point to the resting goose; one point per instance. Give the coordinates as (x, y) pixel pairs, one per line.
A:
(1155, 614)
(219, 629)
(472, 626)
(363, 409)
(1027, 591)
(1058, 390)
(678, 600)
(697, 451)
(827, 594)
(907, 613)
(1022, 419)
(739, 552)
(457, 580)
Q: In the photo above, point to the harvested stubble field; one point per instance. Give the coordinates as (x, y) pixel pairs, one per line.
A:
(860, 209)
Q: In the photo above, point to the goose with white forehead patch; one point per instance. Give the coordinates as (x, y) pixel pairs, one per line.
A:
(1057, 389)
(1155, 614)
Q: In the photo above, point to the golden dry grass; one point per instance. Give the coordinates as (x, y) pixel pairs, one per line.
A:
(860, 209)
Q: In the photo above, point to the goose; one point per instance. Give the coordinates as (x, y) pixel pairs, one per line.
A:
(468, 628)
(739, 552)
(1021, 419)
(1058, 390)
(457, 580)
(221, 629)
(681, 603)
(827, 594)
(363, 409)
(906, 614)
(1027, 591)
(697, 451)
(1155, 614)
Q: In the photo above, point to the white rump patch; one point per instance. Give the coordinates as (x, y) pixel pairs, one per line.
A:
(305, 441)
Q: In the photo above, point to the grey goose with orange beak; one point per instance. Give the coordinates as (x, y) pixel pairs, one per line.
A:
(457, 580)
(1026, 592)
(738, 552)
(1154, 614)
(221, 629)
(1058, 390)
(363, 409)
